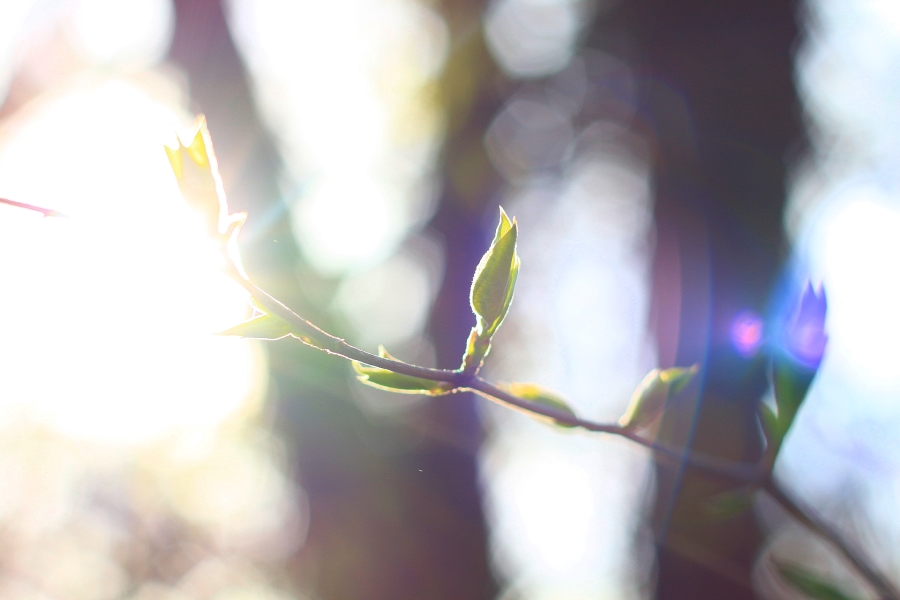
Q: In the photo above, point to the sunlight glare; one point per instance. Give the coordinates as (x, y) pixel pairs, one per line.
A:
(858, 248)
(343, 86)
(545, 486)
(137, 32)
(345, 221)
(13, 19)
(107, 317)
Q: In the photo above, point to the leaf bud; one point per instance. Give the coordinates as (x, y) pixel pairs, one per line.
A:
(650, 397)
(495, 278)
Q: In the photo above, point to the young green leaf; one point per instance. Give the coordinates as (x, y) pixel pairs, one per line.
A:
(197, 173)
(397, 382)
(810, 583)
(495, 278)
(510, 290)
(196, 170)
(651, 395)
(502, 227)
(261, 327)
(541, 395)
(383, 353)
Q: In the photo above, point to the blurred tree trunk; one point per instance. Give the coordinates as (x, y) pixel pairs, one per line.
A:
(717, 100)
(396, 524)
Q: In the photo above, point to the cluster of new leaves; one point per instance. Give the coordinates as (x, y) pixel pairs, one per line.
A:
(490, 297)
(491, 294)
(197, 172)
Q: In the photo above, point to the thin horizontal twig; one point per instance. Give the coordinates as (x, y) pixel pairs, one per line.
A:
(322, 340)
(738, 471)
(742, 472)
(47, 212)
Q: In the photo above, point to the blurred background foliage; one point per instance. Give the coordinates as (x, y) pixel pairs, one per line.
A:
(660, 164)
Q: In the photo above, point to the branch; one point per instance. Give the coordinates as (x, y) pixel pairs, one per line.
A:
(322, 340)
(737, 471)
(812, 521)
(47, 212)
(462, 381)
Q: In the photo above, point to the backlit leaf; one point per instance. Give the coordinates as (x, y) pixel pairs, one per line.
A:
(397, 382)
(197, 173)
(541, 395)
(196, 170)
(650, 397)
(495, 277)
(502, 227)
(262, 327)
(383, 353)
(510, 290)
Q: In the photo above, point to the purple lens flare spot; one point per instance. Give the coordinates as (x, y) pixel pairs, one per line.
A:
(747, 333)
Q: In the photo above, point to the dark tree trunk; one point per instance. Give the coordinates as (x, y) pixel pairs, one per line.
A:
(716, 98)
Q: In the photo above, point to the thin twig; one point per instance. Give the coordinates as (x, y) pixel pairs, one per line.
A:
(47, 212)
(738, 471)
(323, 340)
(742, 472)
(811, 520)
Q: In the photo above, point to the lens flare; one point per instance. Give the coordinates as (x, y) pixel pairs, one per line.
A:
(747, 333)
